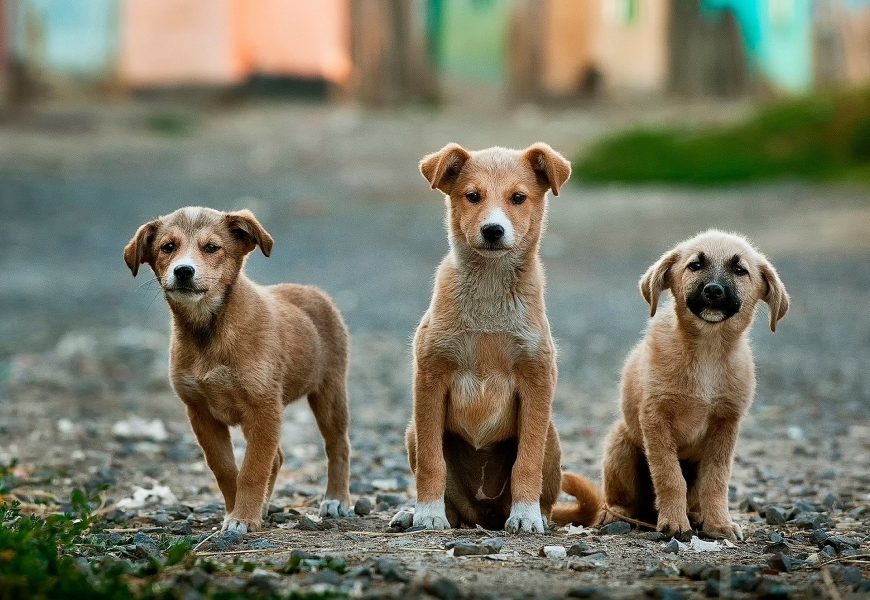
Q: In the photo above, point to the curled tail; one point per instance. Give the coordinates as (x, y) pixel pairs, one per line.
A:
(589, 508)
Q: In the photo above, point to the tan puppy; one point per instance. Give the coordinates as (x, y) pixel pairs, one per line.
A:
(687, 385)
(481, 442)
(240, 352)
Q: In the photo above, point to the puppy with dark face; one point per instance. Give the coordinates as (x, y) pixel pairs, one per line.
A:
(688, 384)
(240, 352)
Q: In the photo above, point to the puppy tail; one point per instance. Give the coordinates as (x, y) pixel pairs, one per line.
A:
(589, 508)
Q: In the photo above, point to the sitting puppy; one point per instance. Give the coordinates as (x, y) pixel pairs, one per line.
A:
(240, 352)
(481, 443)
(688, 383)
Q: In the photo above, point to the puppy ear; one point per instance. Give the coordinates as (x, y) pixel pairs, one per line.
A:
(552, 168)
(657, 279)
(442, 168)
(776, 297)
(247, 229)
(139, 250)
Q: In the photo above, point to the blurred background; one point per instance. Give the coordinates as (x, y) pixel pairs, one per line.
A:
(678, 115)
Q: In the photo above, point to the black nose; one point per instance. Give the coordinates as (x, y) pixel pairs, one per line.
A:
(492, 232)
(184, 272)
(713, 291)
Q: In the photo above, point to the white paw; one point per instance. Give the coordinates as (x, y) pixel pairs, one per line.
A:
(431, 515)
(334, 508)
(525, 517)
(403, 519)
(231, 524)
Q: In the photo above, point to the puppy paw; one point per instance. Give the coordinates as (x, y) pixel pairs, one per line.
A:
(525, 517)
(403, 519)
(234, 523)
(333, 508)
(729, 530)
(675, 525)
(431, 515)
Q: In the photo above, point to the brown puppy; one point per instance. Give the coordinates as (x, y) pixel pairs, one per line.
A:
(481, 442)
(240, 352)
(687, 385)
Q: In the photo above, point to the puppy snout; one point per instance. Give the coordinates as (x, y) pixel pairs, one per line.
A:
(184, 273)
(714, 292)
(492, 232)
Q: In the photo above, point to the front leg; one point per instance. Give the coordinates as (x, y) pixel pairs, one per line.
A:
(430, 470)
(535, 384)
(262, 432)
(664, 465)
(714, 472)
(217, 447)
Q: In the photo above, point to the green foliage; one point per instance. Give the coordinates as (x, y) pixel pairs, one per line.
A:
(817, 137)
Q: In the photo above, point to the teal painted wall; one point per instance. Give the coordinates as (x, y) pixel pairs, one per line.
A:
(778, 35)
(78, 38)
(470, 37)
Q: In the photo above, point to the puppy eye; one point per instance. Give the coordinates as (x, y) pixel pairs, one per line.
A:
(738, 270)
(518, 198)
(211, 248)
(473, 197)
(168, 247)
(696, 265)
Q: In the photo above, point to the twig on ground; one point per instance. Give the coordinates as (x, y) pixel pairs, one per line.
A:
(205, 539)
(629, 519)
(856, 558)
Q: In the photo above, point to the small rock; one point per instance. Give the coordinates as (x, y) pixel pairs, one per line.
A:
(615, 528)
(306, 524)
(227, 540)
(274, 508)
(390, 570)
(811, 520)
(830, 501)
(554, 552)
(820, 535)
(652, 536)
(775, 515)
(441, 587)
(146, 545)
(828, 552)
(778, 548)
(261, 544)
(182, 527)
(673, 547)
(775, 537)
(579, 549)
(282, 517)
(363, 506)
(697, 571)
(752, 504)
(783, 563)
(842, 542)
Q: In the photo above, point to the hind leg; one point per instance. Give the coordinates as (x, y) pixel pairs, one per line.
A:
(622, 493)
(552, 472)
(276, 466)
(329, 405)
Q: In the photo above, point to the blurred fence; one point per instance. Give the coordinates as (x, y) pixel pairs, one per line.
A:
(383, 51)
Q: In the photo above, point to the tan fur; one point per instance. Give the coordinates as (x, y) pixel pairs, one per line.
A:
(481, 438)
(240, 352)
(685, 388)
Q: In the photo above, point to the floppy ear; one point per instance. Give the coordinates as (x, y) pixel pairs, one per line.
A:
(442, 168)
(552, 168)
(657, 279)
(776, 297)
(139, 249)
(246, 228)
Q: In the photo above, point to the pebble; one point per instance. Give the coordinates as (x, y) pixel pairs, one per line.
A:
(306, 524)
(783, 563)
(482, 548)
(146, 544)
(775, 537)
(777, 548)
(363, 506)
(390, 570)
(652, 536)
(579, 549)
(615, 528)
(282, 517)
(673, 547)
(841, 542)
(553, 552)
(828, 552)
(811, 520)
(182, 527)
(775, 515)
(227, 540)
(261, 544)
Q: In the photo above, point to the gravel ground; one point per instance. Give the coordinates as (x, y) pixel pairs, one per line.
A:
(83, 345)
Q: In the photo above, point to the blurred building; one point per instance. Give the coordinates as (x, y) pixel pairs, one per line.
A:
(385, 51)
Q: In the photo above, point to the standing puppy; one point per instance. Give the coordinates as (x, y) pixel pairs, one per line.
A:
(687, 385)
(240, 352)
(481, 442)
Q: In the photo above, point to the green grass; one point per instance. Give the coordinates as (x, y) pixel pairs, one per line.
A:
(823, 137)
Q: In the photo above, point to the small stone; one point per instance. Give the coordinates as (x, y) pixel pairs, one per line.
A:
(615, 528)
(145, 544)
(802, 506)
(579, 549)
(327, 577)
(390, 570)
(811, 520)
(775, 515)
(752, 504)
(306, 524)
(842, 542)
(828, 552)
(554, 552)
(778, 548)
(652, 536)
(261, 544)
(441, 587)
(182, 527)
(830, 501)
(227, 540)
(775, 537)
(697, 571)
(274, 508)
(363, 506)
(820, 535)
(783, 563)
(673, 547)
